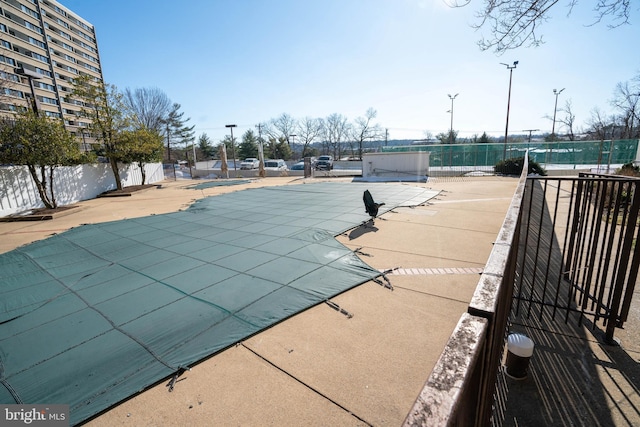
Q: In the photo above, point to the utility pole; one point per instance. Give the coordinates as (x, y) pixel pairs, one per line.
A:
(530, 130)
(386, 136)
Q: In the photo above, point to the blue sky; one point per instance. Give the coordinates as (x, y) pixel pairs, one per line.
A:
(248, 61)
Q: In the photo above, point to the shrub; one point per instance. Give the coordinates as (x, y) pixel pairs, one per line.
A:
(514, 167)
(629, 169)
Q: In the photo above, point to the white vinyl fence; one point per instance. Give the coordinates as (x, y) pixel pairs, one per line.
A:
(18, 192)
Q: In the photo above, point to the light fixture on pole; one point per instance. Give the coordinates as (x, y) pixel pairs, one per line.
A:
(293, 138)
(451, 130)
(31, 76)
(555, 109)
(233, 146)
(506, 131)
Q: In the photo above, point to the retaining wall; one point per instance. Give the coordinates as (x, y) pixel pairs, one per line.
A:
(72, 184)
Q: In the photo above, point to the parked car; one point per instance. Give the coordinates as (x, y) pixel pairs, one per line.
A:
(324, 163)
(250, 163)
(275, 165)
(298, 166)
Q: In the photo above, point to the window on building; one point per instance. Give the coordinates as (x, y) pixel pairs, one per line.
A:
(43, 85)
(46, 100)
(39, 57)
(60, 11)
(7, 60)
(28, 11)
(36, 42)
(30, 26)
(13, 92)
(8, 76)
(43, 72)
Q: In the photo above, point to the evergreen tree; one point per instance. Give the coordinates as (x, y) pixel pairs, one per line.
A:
(277, 149)
(205, 146)
(249, 145)
(484, 138)
(176, 131)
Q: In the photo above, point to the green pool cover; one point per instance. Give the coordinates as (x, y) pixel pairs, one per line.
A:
(219, 183)
(96, 314)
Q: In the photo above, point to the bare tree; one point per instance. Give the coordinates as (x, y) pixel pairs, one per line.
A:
(308, 130)
(149, 106)
(515, 23)
(625, 101)
(601, 126)
(335, 132)
(568, 119)
(363, 130)
(284, 126)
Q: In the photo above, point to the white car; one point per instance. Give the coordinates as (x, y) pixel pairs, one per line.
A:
(275, 165)
(250, 163)
(324, 163)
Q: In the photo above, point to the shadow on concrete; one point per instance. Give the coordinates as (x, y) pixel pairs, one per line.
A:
(366, 227)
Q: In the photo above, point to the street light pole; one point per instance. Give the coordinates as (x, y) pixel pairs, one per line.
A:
(555, 109)
(293, 139)
(451, 130)
(233, 146)
(260, 151)
(31, 76)
(506, 131)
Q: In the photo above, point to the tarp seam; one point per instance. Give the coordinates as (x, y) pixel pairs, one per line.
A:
(113, 325)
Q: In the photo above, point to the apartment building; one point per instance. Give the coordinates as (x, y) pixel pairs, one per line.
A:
(44, 47)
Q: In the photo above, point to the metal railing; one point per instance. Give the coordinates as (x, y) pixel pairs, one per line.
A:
(578, 257)
(566, 249)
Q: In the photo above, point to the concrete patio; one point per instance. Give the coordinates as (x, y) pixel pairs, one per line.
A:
(322, 367)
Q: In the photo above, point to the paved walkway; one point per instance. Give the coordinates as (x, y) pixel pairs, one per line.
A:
(322, 367)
